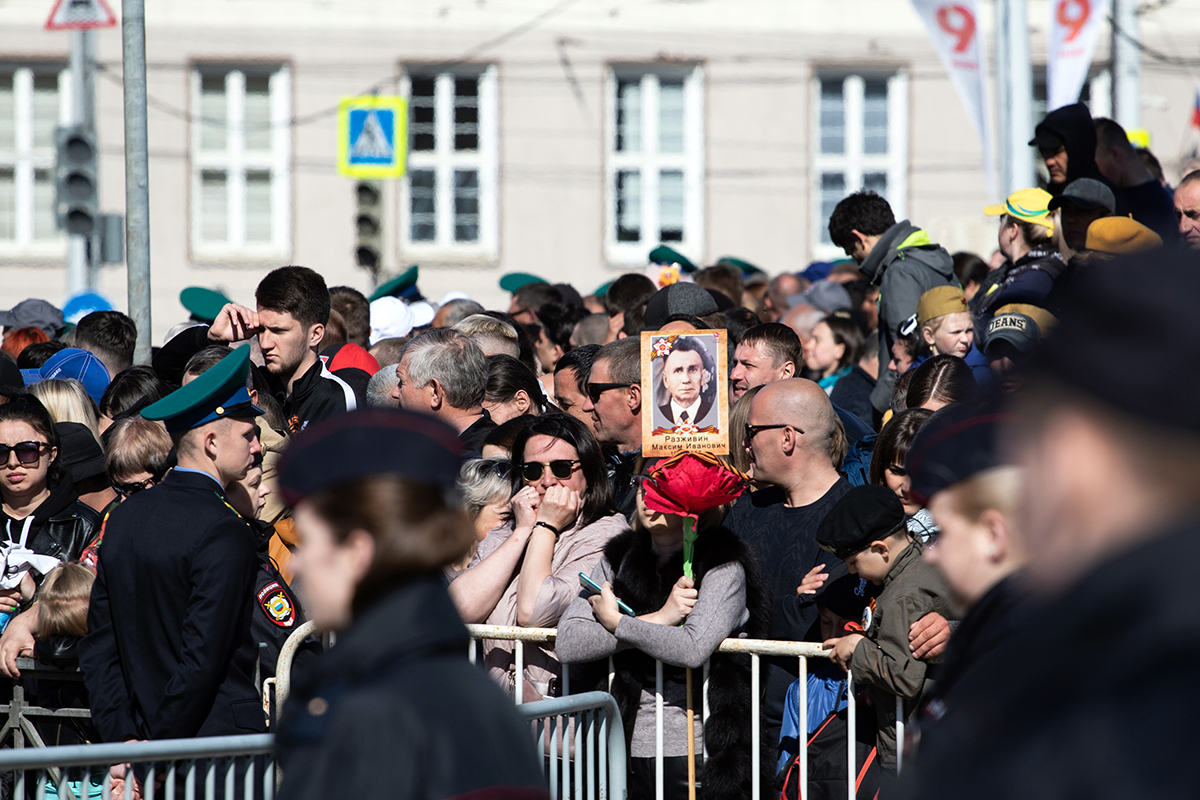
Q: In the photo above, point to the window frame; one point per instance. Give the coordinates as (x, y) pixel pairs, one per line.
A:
(25, 161)
(650, 162)
(852, 162)
(444, 160)
(236, 162)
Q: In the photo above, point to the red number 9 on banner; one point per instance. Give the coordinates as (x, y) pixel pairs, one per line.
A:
(962, 27)
(1073, 24)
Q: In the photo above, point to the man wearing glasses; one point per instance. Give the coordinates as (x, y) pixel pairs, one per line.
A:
(614, 401)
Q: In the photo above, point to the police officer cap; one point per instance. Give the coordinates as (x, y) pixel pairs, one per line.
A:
(368, 442)
(217, 394)
(957, 442)
(511, 281)
(1111, 316)
(668, 256)
(865, 514)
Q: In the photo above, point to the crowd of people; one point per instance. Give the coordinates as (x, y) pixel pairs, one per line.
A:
(970, 482)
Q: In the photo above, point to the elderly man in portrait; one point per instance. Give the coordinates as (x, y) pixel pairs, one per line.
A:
(689, 393)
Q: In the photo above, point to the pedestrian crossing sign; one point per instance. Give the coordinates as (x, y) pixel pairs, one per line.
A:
(372, 137)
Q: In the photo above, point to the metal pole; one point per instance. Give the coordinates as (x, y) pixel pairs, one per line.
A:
(1003, 84)
(1016, 138)
(137, 173)
(89, 119)
(77, 264)
(1127, 65)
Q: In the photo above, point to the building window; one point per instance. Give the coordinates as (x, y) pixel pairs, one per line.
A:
(241, 159)
(448, 200)
(654, 164)
(31, 106)
(860, 141)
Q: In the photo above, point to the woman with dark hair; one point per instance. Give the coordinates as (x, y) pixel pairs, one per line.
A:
(833, 350)
(887, 465)
(376, 531)
(527, 572)
(512, 390)
(940, 381)
(40, 508)
(681, 621)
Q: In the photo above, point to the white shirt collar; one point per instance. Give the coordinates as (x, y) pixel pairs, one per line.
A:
(692, 411)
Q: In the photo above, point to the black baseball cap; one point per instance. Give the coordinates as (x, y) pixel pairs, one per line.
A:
(78, 451)
(1045, 139)
(865, 514)
(959, 441)
(678, 298)
(1018, 330)
(12, 383)
(1088, 194)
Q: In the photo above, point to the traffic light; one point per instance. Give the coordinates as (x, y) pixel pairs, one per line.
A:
(77, 197)
(368, 225)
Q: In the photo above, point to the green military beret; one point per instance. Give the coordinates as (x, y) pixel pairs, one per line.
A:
(203, 304)
(746, 267)
(665, 255)
(515, 280)
(403, 285)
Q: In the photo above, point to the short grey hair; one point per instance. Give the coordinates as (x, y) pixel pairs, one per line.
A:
(379, 388)
(494, 336)
(459, 309)
(624, 359)
(482, 482)
(451, 359)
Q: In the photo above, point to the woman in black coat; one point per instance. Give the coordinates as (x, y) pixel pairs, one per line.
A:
(394, 709)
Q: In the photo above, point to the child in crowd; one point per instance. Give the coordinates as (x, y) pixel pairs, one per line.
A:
(867, 529)
(841, 603)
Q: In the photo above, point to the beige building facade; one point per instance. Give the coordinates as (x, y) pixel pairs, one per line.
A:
(565, 139)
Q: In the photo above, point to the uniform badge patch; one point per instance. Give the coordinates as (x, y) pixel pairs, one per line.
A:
(868, 616)
(275, 602)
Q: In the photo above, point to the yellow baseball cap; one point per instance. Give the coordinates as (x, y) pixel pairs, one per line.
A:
(1027, 205)
(1121, 235)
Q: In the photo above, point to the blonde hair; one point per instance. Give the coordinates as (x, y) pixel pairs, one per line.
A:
(136, 444)
(68, 401)
(492, 335)
(739, 415)
(63, 601)
(995, 489)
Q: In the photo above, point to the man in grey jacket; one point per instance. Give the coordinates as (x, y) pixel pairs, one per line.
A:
(898, 257)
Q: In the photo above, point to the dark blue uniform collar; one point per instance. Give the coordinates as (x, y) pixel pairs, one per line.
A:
(194, 478)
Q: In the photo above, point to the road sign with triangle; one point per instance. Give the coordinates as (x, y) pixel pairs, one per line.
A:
(372, 137)
(80, 15)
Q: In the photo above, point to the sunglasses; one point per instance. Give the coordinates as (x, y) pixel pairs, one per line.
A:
(754, 430)
(127, 490)
(562, 468)
(594, 390)
(27, 452)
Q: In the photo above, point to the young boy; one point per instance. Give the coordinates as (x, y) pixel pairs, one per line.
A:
(867, 529)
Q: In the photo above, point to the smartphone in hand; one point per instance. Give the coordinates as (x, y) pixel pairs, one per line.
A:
(592, 587)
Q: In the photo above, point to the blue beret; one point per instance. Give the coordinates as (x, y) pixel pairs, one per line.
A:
(361, 443)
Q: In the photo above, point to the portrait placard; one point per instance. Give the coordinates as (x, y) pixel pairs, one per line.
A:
(685, 393)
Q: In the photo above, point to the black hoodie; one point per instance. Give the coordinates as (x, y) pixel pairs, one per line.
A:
(1073, 125)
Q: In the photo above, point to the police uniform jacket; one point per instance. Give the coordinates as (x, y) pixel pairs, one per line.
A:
(396, 710)
(168, 652)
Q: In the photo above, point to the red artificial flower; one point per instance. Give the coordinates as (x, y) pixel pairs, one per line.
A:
(689, 484)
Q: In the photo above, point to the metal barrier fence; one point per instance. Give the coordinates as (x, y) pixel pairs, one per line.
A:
(587, 727)
(755, 648)
(208, 768)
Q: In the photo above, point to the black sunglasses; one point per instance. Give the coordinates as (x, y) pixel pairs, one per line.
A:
(27, 452)
(561, 468)
(754, 430)
(127, 490)
(594, 390)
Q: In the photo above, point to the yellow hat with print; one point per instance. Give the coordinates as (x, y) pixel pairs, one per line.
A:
(1027, 205)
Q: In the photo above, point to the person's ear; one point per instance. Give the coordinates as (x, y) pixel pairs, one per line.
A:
(521, 398)
(791, 441)
(789, 369)
(53, 455)
(927, 332)
(880, 548)
(558, 352)
(210, 444)
(254, 396)
(434, 395)
(316, 334)
(841, 351)
(998, 536)
(359, 552)
(634, 399)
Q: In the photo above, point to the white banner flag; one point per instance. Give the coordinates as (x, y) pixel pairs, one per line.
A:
(1074, 30)
(954, 29)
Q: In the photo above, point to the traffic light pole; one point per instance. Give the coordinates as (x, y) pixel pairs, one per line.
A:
(78, 272)
(137, 173)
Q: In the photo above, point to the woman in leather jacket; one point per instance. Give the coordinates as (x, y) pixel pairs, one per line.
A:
(40, 509)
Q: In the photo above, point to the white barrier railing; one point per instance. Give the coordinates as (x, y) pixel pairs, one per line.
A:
(755, 648)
